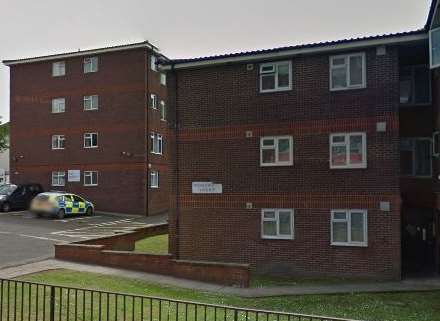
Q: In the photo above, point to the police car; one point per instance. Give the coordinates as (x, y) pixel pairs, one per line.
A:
(60, 204)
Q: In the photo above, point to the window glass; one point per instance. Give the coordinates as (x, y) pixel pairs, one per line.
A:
(340, 216)
(357, 227)
(58, 105)
(347, 71)
(347, 150)
(284, 150)
(356, 149)
(285, 223)
(423, 158)
(339, 77)
(283, 75)
(340, 232)
(270, 228)
(339, 155)
(422, 92)
(434, 36)
(356, 77)
(268, 82)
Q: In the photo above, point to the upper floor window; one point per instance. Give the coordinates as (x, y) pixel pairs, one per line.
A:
(91, 102)
(347, 71)
(90, 140)
(276, 151)
(153, 63)
(58, 105)
(58, 178)
(58, 69)
(415, 85)
(90, 64)
(348, 150)
(154, 179)
(163, 79)
(153, 101)
(90, 178)
(275, 76)
(58, 141)
(434, 46)
(156, 143)
(416, 156)
(349, 227)
(162, 110)
(277, 224)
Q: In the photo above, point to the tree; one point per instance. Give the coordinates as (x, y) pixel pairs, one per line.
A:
(4, 136)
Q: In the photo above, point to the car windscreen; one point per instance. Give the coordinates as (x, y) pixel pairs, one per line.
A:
(7, 189)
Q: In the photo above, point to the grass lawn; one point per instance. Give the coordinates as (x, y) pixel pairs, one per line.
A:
(258, 281)
(154, 245)
(421, 306)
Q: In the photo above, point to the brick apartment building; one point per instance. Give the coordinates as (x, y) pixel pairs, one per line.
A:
(312, 160)
(93, 123)
(318, 159)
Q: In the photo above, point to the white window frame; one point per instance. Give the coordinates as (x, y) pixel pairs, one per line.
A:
(153, 62)
(163, 79)
(58, 69)
(163, 110)
(90, 64)
(347, 68)
(347, 144)
(154, 179)
(89, 174)
(153, 101)
(57, 139)
(414, 139)
(275, 71)
(94, 100)
(347, 220)
(56, 102)
(90, 136)
(277, 162)
(157, 144)
(277, 220)
(430, 48)
(56, 177)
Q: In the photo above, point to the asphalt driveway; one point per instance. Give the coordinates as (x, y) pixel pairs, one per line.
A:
(25, 238)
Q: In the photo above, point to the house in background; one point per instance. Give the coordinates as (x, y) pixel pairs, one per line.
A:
(4, 154)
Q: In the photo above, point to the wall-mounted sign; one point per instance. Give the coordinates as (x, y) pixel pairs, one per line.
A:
(74, 175)
(206, 188)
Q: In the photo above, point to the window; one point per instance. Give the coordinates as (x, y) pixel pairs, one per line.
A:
(415, 156)
(162, 110)
(58, 141)
(349, 227)
(90, 178)
(415, 85)
(276, 76)
(153, 101)
(347, 71)
(58, 105)
(91, 102)
(348, 150)
(58, 178)
(154, 179)
(90, 140)
(276, 151)
(156, 143)
(153, 63)
(58, 69)
(434, 47)
(277, 224)
(163, 79)
(436, 144)
(90, 64)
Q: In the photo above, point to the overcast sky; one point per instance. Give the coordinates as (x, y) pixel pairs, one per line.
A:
(189, 28)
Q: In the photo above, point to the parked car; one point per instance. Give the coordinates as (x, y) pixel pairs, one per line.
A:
(60, 204)
(18, 197)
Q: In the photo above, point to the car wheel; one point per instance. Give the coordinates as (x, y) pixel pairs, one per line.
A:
(6, 207)
(61, 213)
(89, 211)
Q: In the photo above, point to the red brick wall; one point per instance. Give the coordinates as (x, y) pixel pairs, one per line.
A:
(216, 106)
(121, 122)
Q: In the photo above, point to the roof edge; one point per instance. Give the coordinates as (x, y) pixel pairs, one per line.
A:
(348, 44)
(143, 44)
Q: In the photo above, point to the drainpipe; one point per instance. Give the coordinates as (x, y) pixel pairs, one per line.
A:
(146, 134)
(176, 157)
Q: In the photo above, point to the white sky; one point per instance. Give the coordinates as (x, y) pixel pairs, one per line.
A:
(189, 28)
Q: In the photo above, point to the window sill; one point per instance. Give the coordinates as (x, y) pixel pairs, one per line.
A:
(347, 88)
(91, 109)
(287, 238)
(92, 185)
(276, 165)
(91, 147)
(58, 112)
(349, 244)
(363, 166)
(268, 91)
(58, 148)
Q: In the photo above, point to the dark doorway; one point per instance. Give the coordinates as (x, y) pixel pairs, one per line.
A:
(419, 242)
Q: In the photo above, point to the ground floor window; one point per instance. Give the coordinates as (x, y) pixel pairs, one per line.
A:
(58, 178)
(349, 227)
(277, 224)
(90, 178)
(154, 179)
(415, 156)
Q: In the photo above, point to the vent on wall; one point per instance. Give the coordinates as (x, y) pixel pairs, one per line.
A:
(250, 66)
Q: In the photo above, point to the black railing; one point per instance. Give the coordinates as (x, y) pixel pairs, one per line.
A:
(29, 301)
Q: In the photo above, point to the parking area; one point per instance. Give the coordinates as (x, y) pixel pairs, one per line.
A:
(26, 238)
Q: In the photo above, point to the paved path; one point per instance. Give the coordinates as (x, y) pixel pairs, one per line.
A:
(25, 238)
(402, 286)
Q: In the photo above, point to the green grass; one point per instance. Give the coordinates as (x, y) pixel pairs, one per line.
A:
(413, 306)
(258, 281)
(154, 245)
